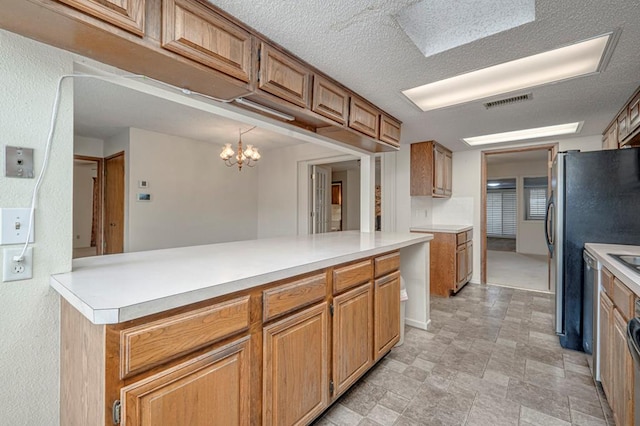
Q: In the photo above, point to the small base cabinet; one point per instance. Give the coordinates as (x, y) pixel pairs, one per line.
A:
(616, 363)
(278, 354)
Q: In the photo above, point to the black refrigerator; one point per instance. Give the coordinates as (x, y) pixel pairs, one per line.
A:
(595, 198)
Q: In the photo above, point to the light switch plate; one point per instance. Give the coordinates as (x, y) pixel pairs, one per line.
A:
(18, 162)
(14, 225)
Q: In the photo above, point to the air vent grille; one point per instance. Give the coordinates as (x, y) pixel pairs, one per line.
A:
(508, 101)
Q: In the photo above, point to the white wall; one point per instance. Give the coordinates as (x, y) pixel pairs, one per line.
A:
(278, 202)
(195, 198)
(83, 175)
(90, 147)
(529, 233)
(353, 200)
(29, 309)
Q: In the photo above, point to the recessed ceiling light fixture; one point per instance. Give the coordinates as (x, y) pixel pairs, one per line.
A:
(579, 59)
(519, 135)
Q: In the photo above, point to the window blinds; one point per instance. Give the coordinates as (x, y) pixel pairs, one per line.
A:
(501, 213)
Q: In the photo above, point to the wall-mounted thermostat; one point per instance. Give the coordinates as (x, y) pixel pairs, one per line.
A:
(143, 184)
(18, 162)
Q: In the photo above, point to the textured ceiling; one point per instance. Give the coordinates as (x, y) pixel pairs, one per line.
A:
(360, 44)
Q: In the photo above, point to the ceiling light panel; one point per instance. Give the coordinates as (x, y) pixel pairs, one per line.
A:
(526, 134)
(576, 60)
(439, 25)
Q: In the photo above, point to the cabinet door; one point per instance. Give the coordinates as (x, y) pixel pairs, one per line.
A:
(330, 100)
(389, 130)
(606, 327)
(634, 113)
(610, 139)
(623, 126)
(363, 117)
(126, 14)
(284, 77)
(421, 179)
(439, 173)
(352, 336)
(469, 250)
(196, 32)
(295, 378)
(448, 173)
(387, 313)
(461, 264)
(622, 372)
(212, 389)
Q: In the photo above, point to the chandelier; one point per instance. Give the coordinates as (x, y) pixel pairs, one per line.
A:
(247, 157)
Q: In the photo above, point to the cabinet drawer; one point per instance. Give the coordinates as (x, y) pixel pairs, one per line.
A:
(469, 235)
(351, 275)
(387, 263)
(623, 298)
(606, 278)
(363, 117)
(389, 130)
(196, 32)
(289, 297)
(461, 238)
(148, 345)
(126, 14)
(330, 100)
(284, 77)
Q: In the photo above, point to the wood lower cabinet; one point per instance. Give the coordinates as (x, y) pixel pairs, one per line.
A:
(295, 377)
(352, 336)
(451, 262)
(278, 354)
(212, 389)
(431, 170)
(387, 313)
(616, 362)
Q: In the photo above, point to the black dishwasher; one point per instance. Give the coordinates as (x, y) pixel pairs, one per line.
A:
(633, 340)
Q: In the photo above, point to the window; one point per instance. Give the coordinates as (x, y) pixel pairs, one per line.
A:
(535, 198)
(501, 208)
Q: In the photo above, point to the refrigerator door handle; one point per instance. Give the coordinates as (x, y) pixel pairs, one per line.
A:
(548, 225)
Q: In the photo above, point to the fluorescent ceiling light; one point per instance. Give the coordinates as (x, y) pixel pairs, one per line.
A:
(583, 58)
(493, 184)
(518, 135)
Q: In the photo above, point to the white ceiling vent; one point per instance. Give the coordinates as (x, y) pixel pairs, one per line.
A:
(508, 101)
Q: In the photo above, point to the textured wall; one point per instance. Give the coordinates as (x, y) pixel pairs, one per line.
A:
(29, 319)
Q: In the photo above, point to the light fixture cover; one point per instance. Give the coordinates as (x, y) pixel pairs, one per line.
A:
(579, 59)
(525, 134)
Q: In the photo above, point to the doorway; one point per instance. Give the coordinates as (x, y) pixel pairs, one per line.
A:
(515, 187)
(114, 190)
(87, 206)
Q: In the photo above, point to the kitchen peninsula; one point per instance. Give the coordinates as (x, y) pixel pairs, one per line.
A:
(272, 331)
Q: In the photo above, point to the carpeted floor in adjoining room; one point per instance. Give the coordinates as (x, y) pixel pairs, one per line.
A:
(489, 358)
(525, 271)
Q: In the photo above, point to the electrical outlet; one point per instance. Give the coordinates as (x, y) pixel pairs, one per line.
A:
(14, 271)
(14, 225)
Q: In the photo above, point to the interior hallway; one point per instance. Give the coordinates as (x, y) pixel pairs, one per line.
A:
(490, 357)
(525, 271)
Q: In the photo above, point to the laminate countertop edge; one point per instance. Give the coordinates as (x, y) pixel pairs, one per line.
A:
(118, 288)
(449, 229)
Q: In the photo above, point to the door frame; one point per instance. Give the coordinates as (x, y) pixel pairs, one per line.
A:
(552, 149)
(100, 182)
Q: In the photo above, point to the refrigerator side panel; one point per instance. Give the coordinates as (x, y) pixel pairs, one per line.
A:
(557, 231)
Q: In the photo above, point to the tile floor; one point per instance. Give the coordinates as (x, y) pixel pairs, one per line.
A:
(489, 358)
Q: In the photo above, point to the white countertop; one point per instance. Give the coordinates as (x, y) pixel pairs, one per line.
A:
(117, 288)
(452, 229)
(601, 252)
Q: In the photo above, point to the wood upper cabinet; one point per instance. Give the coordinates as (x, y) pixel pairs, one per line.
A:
(633, 113)
(125, 14)
(295, 368)
(387, 313)
(605, 342)
(431, 170)
(622, 372)
(330, 100)
(194, 31)
(363, 117)
(623, 125)
(284, 77)
(212, 389)
(352, 336)
(389, 130)
(610, 137)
